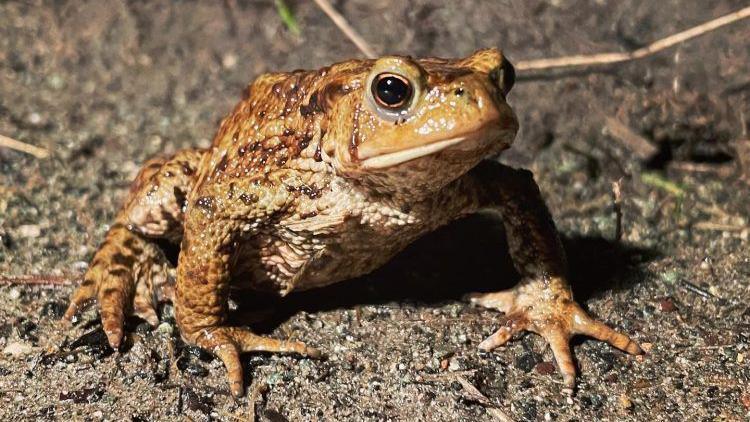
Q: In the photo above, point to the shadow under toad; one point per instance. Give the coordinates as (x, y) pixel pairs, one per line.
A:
(470, 255)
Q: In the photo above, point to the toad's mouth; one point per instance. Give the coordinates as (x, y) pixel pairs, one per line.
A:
(487, 132)
(398, 157)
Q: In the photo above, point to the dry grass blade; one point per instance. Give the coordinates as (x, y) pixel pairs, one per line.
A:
(617, 203)
(476, 395)
(655, 47)
(660, 182)
(721, 227)
(743, 154)
(23, 147)
(347, 29)
(722, 170)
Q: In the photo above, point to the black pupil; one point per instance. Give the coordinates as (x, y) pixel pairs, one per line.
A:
(392, 91)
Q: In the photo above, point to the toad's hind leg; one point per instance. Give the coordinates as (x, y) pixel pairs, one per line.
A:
(129, 270)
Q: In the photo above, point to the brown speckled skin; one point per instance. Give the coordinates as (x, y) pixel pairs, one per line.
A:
(307, 184)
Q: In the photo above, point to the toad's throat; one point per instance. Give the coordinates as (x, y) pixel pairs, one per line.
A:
(398, 157)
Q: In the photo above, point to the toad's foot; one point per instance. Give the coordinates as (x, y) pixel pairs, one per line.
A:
(533, 307)
(228, 342)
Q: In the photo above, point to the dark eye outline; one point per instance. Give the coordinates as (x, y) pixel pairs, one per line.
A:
(396, 106)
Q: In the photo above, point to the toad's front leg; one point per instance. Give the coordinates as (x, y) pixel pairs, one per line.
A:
(203, 277)
(542, 302)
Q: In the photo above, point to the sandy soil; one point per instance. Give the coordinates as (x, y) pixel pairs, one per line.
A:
(105, 85)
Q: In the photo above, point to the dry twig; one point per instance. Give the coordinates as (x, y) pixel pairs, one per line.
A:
(580, 60)
(347, 29)
(634, 142)
(37, 280)
(256, 392)
(655, 47)
(23, 147)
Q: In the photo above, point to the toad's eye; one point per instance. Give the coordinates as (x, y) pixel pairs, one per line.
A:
(391, 91)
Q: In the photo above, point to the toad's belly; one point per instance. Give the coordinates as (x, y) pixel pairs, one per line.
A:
(281, 265)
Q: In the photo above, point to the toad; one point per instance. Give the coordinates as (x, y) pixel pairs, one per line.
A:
(321, 176)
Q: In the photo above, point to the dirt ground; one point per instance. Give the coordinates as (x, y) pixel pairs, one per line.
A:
(103, 85)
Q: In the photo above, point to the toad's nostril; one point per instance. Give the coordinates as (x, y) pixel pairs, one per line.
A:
(504, 76)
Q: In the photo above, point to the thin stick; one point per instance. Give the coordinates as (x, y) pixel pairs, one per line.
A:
(23, 147)
(347, 29)
(37, 280)
(655, 47)
(697, 290)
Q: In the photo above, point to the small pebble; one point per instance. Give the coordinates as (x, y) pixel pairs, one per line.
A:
(455, 365)
(229, 61)
(667, 305)
(545, 368)
(55, 81)
(745, 399)
(34, 118)
(145, 60)
(670, 276)
(625, 402)
(17, 349)
(14, 294)
(29, 231)
(165, 328)
(80, 266)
